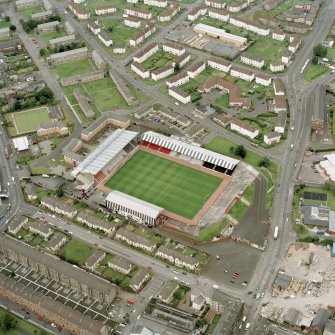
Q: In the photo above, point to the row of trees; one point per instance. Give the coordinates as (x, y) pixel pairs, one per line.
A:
(30, 25)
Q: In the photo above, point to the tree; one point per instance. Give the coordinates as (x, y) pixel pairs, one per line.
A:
(110, 29)
(12, 27)
(177, 67)
(320, 51)
(59, 192)
(7, 322)
(17, 105)
(265, 162)
(7, 18)
(240, 151)
(42, 52)
(61, 48)
(314, 60)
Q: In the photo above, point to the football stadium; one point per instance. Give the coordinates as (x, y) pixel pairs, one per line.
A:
(154, 176)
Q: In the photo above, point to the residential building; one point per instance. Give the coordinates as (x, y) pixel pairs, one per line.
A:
(168, 14)
(132, 1)
(22, 4)
(263, 79)
(106, 120)
(83, 78)
(295, 42)
(119, 49)
(215, 3)
(64, 40)
(135, 240)
(252, 60)
(286, 57)
(277, 66)
(218, 14)
(278, 86)
(241, 73)
(81, 14)
(173, 49)
(222, 120)
(141, 113)
(140, 69)
(30, 192)
(121, 265)
(103, 10)
(167, 291)
(92, 262)
(196, 69)
(236, 7)
(56, 241)
(58, 128)
(249, 25)
(132, 22)
(221, 34)
(178, 80)
(196, 13)
(145, 53)
(142, 35)
(68, 56)
(58, 206)
(268, 21)
(296, 28)
(4, 33)
(219, 64)
(270, 4)
(137, 282)
(63, 273)
(178, 259)
(281, 122)
(272, 138)
(41, 229)
(180, 95)
(173, 117)
(278, 35)
(162, 72)
(15, 225)
(70, 152)
(46, 28)
(319, 322)
(244, 128)
(93, 222)
(183, 59)
(98, 61)
(104, 37)
(69, 28)
(93, 26)
(279, 103)
(141, 13)
(84, 102)
(156, 3)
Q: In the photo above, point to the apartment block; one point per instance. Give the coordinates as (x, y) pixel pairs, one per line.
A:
(244, 128)
(252, 60)
(242, 73)
(180, 95)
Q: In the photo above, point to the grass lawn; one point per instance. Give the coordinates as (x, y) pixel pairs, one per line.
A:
(314, 71)
(76, 252)
(173, 186)
(223, 100)
(214, 323)
(21, 326)
(330, 53)
(54, 34)
(28, 121)
(74, 68)
(116, 277)
(300, 230)
(121, 34)
(238, 210)
(32, 10)
(158, 60)
(249, 192)
(179, 295)
(207, 233)
(4, 24)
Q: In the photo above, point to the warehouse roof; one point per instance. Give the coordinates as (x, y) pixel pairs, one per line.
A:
(190, 149)
(105, 152)
(21, 143)
(135, 204)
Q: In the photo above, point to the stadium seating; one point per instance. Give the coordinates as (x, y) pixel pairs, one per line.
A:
(99, 177)
(164, 150)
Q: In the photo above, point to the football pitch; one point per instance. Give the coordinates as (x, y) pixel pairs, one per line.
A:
(173, 186)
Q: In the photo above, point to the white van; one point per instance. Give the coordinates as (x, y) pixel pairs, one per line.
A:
(247, 326)
(244, 319)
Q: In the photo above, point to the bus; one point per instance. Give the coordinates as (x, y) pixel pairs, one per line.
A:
(275, 235)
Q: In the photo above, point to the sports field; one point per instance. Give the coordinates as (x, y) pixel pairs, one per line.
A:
(173, 186)
(28, 121)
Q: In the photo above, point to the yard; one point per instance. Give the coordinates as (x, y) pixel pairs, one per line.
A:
(50, 36)
(314, 71)
(173, 186)
(158, 60)
(116, 277)
(179, 295)
(32, 10)
(4, 24)
(74, 68)
(28, 121)
(76, 252)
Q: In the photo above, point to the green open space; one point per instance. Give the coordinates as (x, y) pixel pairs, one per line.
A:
(54, 34)
(238, 210)
(314, 71)
(207, 233)
(116, 277)
(76, 252)
(173, 186)
(213, 324)
(158, 60)
(330, 53)
(32, 10)
(249, 192)
(4, 24)
(28, 121)
(20, 326)
(223, 100)
(74, 68)
(179, 295)
(121, 33)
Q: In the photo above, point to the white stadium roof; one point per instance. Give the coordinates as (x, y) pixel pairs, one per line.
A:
(21, 143)
(135, 204)
(190, 150)
(105, 152)
(329, 165)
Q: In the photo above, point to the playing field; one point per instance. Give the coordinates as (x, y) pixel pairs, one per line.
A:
(173, 186)
(28, 121)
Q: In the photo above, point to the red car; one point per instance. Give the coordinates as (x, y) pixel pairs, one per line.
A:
(149, 267)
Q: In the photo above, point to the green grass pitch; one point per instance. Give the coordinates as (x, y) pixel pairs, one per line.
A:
(173, 186)
(29, 120)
